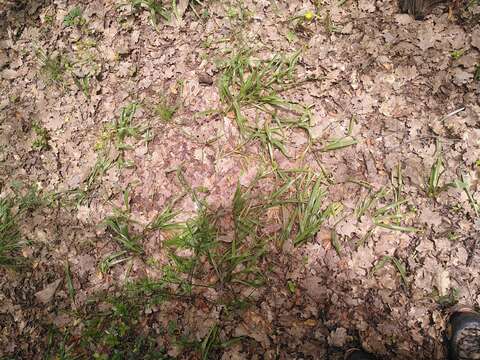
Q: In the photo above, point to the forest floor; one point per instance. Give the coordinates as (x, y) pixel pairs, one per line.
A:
(236, 179)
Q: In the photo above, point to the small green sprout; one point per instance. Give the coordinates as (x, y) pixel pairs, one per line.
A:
(292, 287)
(42, 137)
(457, 54)
(74, 18)
(436, 172)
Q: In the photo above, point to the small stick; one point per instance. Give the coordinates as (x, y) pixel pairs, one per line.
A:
(452, 114)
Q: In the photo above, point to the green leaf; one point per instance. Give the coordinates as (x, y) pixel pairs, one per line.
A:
(74, 17)
(339, 144)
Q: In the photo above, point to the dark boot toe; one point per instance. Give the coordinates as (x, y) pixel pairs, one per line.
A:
(463, 335)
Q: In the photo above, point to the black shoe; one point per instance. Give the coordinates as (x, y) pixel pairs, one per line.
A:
(463, 335)
(356, 354)
(413, 7)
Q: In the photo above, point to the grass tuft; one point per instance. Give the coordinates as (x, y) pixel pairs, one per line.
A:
(12, 209)
(42, 137)
(9, 233)
(123, 127)
(120, 227)
(436, 172)
(399, 266)
(52, 67)
(164, 220)
(165, 111)
(311, 210)
(115, 134)
(155, 8)
(247, 83)
(387, 207)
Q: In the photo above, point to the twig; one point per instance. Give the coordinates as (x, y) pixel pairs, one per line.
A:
(452, 114)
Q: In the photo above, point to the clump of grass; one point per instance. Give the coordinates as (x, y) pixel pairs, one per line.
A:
(42, 137)
(251, 86)
(123, 126)
(271, 138)
(436, 172)
(390, 215)
(164, 220)
(9, 233)
(155, 8)
(300, 200)
(115, 135)
(83, 84)
(52, 67)
(249, 83)
(27, 198)
(102, 165)
(200, 238)
(129, 233)
(12, 208)
(120, 130)
(387, 207)
(232, 262)
(120, 226)
(210, 342)
(311, 211)
(99, 169)
(115, 332)
(164, 110)
(58, 69)
(239, 263)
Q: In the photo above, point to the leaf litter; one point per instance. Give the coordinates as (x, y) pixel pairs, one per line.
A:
(201, 190)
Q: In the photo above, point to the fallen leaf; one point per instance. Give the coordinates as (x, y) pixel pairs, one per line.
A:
(476, 38)
(46, 295)
(338, 337)
(429, 217)
(9, 74)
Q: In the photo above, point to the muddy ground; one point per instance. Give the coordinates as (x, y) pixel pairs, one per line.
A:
(333, 205)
